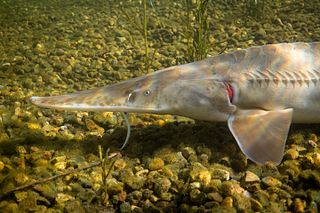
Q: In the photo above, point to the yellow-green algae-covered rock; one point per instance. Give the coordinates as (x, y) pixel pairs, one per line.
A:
(200, 173)
(2, 165)
(156, 164)
(251, 177)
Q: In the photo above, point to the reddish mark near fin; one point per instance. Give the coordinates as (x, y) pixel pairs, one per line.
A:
(229, 91)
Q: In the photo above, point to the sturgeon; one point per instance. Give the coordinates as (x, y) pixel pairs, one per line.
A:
(258, 91)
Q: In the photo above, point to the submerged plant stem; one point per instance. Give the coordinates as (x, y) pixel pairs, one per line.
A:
(145, 33)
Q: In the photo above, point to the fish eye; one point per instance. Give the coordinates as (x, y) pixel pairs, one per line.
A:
(146, 92)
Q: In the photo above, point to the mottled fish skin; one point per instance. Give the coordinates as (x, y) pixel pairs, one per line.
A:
(277, 76)
(259, 91)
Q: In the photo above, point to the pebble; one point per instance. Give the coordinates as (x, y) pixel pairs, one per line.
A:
(2, 165)
(155, 164)
(270, 181)
(200, 173)
(227, 201)
(256, 205)
(113, 186)
(197, 196)
(251, 177)
(120, 164)
(299, 205)
(187, 151)
(220, 174)
(291, 154)
(21, 178)
(162, 185)
(62, 198)
(215, 196)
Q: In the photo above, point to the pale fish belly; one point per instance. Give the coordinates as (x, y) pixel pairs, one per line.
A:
(304, 99)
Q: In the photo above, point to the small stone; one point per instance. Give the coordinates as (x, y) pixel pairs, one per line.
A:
(185, 207)
(256, 205)
(215, 196)
(214, 185)
(62, 198)
(121, 39)
(166, 196)
(21, 178)
(204, 177)
(41, 163)
(60, 162)
(21, 150)
(120, 164)
(228, 202)
(220, 174)
(313, 137)
(33, 126)
(263, 197)
(231, 188)
(270, 181)
(316, 159)
(291, 154)
(297, 138)
(74, 206)
(162, 185)
(149, 207)
(135, 183)
(313, 143)
(299, 205)
(95, 128)
(1, 165)
(125, 207)
(20, 196)
(156, 164)
(134, 197)
(6, 206)
(153, 198)
(60, 158)
(3, 137)
(167, 171)
(187, 151)
(211, 204)
(200, 173)
(114, 186)
(60, 165)
(197, 196)
(195, 185)
(251, 177)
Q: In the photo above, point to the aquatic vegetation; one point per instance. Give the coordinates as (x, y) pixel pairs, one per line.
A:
(141, 26)
(260, 9)
(106, 168)
(198, 29)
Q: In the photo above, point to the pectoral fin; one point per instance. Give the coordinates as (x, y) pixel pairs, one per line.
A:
(261, 134)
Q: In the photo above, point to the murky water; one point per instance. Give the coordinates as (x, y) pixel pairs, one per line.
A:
(171, 164)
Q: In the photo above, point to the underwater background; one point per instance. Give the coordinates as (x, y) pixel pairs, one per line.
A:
(58, 161)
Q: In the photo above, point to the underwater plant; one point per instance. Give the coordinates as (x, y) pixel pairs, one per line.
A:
(197, 30)
(255, 8)
(141, 26)
(260, 9)
(106, 168)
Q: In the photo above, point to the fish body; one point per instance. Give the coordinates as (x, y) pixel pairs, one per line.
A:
(258, 91)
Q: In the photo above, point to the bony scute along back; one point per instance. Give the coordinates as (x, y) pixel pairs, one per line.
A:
(258, 91)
